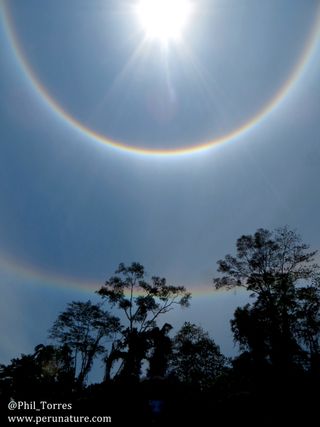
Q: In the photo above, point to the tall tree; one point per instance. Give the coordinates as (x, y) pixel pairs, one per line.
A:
(84, 327)
(196, 359)
(142, 303)
(274, 267)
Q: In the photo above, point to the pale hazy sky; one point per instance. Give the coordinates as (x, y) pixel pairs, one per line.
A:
(72, 208)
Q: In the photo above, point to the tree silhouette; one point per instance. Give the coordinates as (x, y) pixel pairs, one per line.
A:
(274, 380)
(161, 351)
(196, 358)
(250, 329)
(56, 362)
(308, 322)
(275, 267)
(142, 303)
(46, 368)
(83, 327)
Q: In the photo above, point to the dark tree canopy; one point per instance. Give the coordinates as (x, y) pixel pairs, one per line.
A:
(196, 358)
(279, 271)
(266, 260)
(142, 303)
(83, 327)
(48, 367)
(185, 380)
(161, 351)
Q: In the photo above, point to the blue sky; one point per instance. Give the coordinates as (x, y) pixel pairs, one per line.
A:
(72, 208)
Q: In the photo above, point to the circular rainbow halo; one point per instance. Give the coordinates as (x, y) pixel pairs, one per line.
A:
(164, 20)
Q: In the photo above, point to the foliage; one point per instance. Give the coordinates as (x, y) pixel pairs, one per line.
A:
(196, 358)
(279, 270)
(48, 366)
(83, 327)
(268, 263)
(274, 380)
(161, 345)
(142, 303)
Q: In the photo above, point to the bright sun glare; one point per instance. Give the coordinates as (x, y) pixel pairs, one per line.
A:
(164, 20)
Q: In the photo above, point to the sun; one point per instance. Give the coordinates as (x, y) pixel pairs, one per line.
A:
(164, 20)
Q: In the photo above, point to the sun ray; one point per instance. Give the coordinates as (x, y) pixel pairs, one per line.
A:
(123, 76)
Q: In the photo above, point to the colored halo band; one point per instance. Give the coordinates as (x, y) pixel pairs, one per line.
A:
(39, 277)
(49, 278)
(293, 77)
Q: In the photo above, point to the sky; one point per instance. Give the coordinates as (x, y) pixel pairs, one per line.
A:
(117, 148)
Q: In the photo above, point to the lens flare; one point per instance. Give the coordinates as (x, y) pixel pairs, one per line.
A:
(164, 20)
(302, 63)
